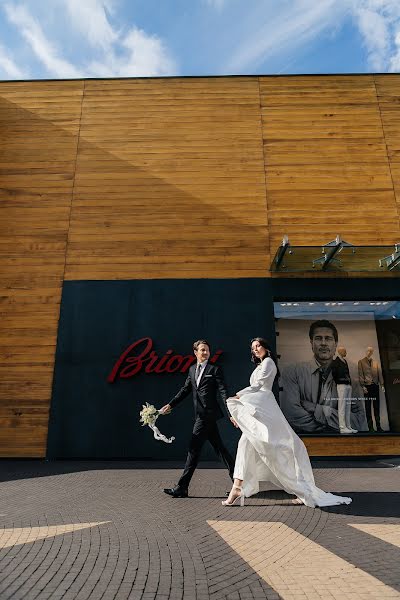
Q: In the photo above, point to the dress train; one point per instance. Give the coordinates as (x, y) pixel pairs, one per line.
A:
(269, 451)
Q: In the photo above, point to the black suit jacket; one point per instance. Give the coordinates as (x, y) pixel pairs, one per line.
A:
(205, 396)
(340, 371)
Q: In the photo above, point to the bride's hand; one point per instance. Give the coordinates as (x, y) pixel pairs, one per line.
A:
(234, 422)
(165, 410)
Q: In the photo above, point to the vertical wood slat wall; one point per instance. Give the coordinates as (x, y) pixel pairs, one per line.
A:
(128, 179)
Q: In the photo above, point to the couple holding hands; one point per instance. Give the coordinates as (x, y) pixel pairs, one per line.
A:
(269, 451)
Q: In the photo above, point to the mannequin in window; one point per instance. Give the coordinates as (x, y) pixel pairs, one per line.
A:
(370, 377)
(341, 376)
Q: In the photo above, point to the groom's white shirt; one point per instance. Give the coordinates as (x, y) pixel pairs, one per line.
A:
(203, 366)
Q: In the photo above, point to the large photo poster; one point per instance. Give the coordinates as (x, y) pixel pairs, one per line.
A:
(340, 366)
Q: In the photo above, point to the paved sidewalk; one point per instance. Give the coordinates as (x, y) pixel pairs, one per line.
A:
(105, 530)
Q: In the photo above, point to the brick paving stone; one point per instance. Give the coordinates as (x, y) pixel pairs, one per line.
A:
(119, 537)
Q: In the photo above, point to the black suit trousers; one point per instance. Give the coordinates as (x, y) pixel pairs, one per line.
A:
(372, 403)
(203, 430)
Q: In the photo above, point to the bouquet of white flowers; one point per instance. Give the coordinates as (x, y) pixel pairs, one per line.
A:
(148, 416)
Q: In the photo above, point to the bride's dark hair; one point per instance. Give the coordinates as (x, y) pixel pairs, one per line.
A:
(270, 354)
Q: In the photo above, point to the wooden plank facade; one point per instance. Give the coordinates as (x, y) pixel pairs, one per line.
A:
(127, 179)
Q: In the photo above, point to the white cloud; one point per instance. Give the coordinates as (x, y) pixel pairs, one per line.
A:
(283, 30)
(112, 52)
(9, 66)
(136, 54)
(142, 56)
(145, 54)
(395, 58)
(273, 30)
(374, 30)
(46, 52)
(379, 25)
(89, 17)
(218, 4)
(86, 38)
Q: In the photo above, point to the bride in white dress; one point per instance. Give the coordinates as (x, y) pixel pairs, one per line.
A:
(269, 451)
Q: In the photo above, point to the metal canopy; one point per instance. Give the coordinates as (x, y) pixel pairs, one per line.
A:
(336, 256)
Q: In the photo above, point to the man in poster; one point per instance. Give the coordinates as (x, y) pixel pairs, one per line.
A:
(309, 397)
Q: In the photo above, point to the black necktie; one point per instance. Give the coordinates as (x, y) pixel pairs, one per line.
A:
(322, 379)
(198, 371)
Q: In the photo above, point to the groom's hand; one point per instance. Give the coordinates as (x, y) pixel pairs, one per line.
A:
(234, 422)
(165, 410)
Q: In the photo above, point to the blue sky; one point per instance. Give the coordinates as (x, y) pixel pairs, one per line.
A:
(55, 39)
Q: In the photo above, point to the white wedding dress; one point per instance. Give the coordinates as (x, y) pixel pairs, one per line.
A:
(269, 451)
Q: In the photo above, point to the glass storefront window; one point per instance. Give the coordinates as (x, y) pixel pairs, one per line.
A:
(340, 365)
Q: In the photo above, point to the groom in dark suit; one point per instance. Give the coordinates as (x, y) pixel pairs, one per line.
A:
(205, 381)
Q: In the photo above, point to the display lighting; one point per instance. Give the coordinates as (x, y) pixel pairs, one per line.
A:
(329, 252)
(392, 261)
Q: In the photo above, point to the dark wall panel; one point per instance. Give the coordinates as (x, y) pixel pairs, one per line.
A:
(91, 417)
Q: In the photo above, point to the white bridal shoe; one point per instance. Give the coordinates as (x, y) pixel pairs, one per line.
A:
(239, 497)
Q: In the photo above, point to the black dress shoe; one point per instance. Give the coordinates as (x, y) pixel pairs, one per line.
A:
(176, 492)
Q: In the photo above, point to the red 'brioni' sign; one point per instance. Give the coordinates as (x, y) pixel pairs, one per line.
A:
(140, 356)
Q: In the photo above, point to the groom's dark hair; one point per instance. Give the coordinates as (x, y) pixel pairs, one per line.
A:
(198, 342)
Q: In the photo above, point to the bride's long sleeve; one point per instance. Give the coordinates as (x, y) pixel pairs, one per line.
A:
(266, 370)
